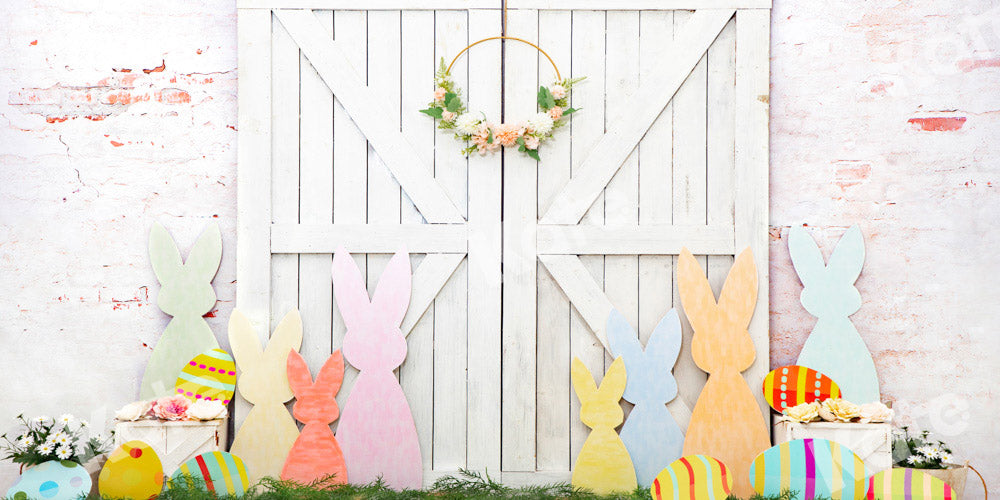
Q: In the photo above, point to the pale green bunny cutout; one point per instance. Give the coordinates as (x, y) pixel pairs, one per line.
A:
(186, 294)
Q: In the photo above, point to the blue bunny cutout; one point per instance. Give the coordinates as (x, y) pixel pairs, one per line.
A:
(835, 348)
(650, 433)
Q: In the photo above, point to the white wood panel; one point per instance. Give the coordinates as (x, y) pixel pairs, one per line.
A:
(520, 214)
(372, 238)
(640, 4)
(632, 239)
(752, 104)
(410, 5)
(485, 240)
(662, 5)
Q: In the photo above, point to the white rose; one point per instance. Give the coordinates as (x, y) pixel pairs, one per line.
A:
(558, 91)
(206, 410)
(805, 412)
(540, 124)
(875, 412)
(467, 124)
(133, 411)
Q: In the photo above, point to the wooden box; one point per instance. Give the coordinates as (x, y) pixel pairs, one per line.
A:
(174, 442)
(871, 442)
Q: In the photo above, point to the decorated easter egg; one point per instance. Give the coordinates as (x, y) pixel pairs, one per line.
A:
(210, 375)
(52, 480)
(816, 468)
(793, 385)
(215, 471)
(907, 484)
(694, 477)
(132, 471)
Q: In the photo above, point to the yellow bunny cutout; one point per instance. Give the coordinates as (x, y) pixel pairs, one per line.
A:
(603, 465)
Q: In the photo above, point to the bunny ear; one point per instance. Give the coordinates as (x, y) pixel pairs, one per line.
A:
(848, 257)
(243, 340)
(331, 376)
(299, 378)
(287, 336)
(696, 294)
(392, 296)
(622, 338)
(739, 294)
(163, 253)
(206, 254)
(349, 288)
(665, 343)
(806, 257)
(583, 381)
(613, 385)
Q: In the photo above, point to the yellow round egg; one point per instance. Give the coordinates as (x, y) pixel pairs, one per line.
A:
(210, 376)
(133, 471)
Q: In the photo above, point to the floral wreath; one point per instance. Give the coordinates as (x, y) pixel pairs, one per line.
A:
(487, 137)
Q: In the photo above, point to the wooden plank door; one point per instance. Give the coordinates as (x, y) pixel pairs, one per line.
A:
(516, 263)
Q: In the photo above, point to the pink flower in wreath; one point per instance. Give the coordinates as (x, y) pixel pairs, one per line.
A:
(439, 94)
(448, 116)
(555, 112)
(507, 134)
(531, 142)
(172, 407)
(481, 137)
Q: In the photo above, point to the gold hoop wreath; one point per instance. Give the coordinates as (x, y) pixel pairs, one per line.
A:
(487, 137)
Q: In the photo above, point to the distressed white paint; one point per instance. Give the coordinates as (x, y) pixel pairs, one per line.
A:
(846, 77)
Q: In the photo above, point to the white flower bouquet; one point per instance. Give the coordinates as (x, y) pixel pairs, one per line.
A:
(43, 438)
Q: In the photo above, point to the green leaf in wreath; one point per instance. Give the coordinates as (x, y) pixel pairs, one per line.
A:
(545, 99)
(433, 112)
(452, 102)
(570, 111)
(489, 138)
(534, 154)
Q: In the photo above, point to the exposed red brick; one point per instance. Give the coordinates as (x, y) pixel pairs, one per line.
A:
(33, 42)
(938, 123)
(117, 144)
(56, 119)
(158, 69)
(95, 118)
(968, 65)
(173, 96)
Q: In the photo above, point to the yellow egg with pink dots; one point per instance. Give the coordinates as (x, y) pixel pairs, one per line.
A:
(209, 376)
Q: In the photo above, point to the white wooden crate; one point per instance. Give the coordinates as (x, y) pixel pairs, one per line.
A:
(871, 442)
(174, 442)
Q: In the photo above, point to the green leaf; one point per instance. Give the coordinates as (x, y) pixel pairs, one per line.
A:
(433, 112)
(569, 111)
(489, 138)
(534, 154)
(545, 99)
(452, 102)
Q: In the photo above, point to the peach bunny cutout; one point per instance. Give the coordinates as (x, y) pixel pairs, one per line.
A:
(268, 433)
(315, 454)
(726, 422)
(376, 430)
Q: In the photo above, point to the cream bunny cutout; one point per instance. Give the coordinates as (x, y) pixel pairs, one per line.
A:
(186, 294)
(726, 422)
(269, 432)
(603, 465)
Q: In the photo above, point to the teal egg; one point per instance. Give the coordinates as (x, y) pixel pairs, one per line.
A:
(52, 480)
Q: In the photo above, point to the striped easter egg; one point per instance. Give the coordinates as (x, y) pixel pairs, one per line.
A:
(907, 484)
(694, 477)
(793, 385)
(216, 471)
(210, 375)
(815, 468)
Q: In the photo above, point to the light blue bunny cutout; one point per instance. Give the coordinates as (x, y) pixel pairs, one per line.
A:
(651, 435)
(834, 348)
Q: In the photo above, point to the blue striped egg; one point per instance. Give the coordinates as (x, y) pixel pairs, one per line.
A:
(216, 471)
(815, 468)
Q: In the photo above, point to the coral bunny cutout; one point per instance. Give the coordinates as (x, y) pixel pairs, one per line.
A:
(603, 465)
(376, 430)
(315, 454)
(650, 434)
(268, 433)
(726, 422)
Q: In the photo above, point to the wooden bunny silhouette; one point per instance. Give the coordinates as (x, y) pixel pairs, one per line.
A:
(650, 434)
(316, 453)
(186, 294)
(726, 422)
(603, 464)
(834, 347)
(268, 433)
(376, 430)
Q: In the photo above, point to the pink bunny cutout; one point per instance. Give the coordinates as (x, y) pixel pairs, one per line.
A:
(376, 430)
(315, 454)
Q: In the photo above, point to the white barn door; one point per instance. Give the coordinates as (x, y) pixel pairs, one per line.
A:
(516, 263)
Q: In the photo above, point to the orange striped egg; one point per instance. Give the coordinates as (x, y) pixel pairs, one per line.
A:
(793, 385)
(907, 484)
(694, 477)
(210, 375)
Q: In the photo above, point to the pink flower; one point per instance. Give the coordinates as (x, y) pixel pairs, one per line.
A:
(171, 407)
(448, 116)
(439, 94)
(555, 112)
(507, 134)
(531, 142)
(558, 91)
(481, 137)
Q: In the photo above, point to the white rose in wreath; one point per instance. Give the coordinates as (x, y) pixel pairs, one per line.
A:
(541, 123)
(206, 410)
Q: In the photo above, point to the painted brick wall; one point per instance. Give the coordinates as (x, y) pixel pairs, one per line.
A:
(885, 113)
